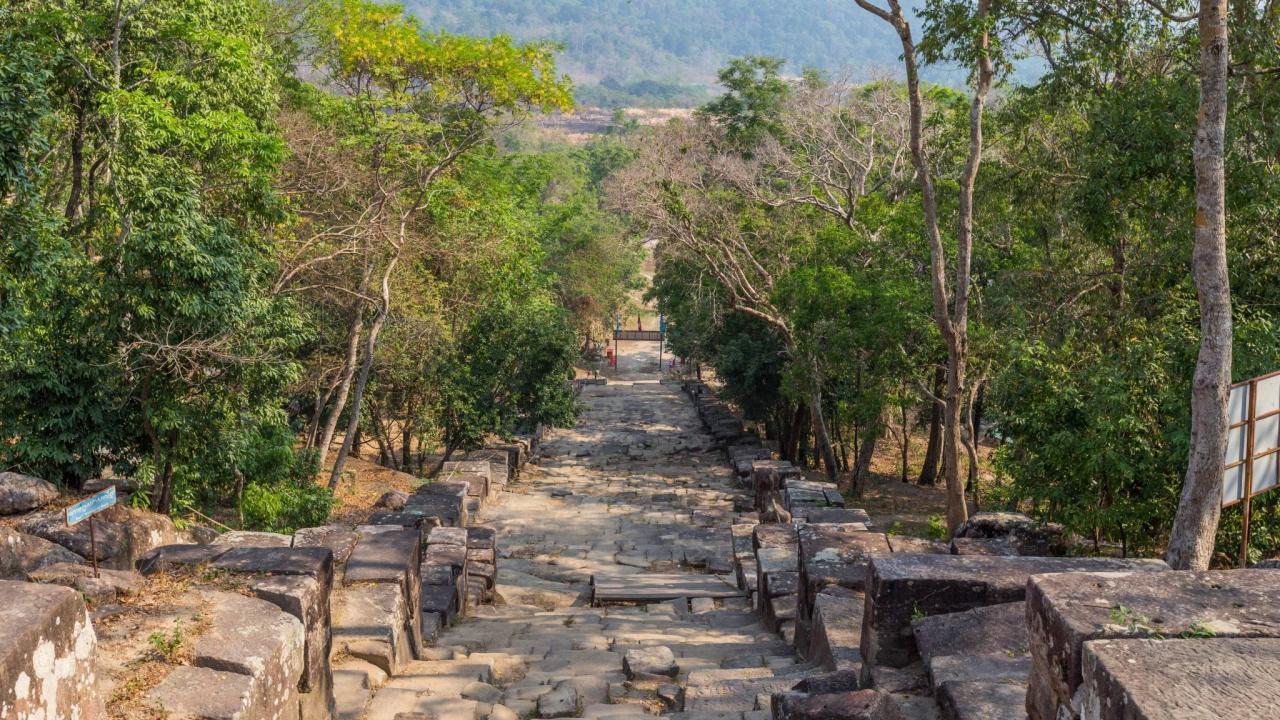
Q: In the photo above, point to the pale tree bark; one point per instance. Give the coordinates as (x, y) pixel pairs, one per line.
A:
(1199, 508)
(344, 386)
(951, 311)
(366, 366)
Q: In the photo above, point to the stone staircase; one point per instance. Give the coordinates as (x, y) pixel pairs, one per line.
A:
(637, 491)
(522, 661)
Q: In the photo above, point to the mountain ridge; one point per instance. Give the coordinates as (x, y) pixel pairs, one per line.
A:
(623, 52)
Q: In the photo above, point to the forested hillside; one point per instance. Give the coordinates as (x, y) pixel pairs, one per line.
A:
(667, 51)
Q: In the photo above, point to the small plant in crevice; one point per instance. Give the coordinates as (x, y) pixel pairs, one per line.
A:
(167, 645)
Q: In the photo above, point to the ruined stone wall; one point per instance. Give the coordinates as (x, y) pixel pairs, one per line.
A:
(46, 654)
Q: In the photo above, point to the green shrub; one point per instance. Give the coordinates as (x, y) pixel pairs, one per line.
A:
(285, 508)
(937, 528)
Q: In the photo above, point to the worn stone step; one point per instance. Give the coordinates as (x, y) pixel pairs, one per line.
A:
(354, 682)
(733, 695)
(710, 677)
(392, 701)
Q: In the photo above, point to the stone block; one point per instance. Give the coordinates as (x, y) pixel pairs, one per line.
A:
(23, 493)
(774, 535)
(836, 555)
(981, 700)
(904, 586)
(854, 705)
(485, 571)
(441, 600)
(1189, 679)
(168, 558)
(910, 678)
(313, 561)
(501, 471)
(451, 556)
(431, 624)
(999, 547)
(447, 536)
(834, 635)
(123, 534)
(1065, 611)
(106, 586)
(415, 518)
(778, 584)
(370, 622)
(921, 546)
(339, 540)
(477, 473)
(47, 644)
(829, 682)
(990, 630)
(561, 702)
(649, 663)
(250, 538)
(307, 599)
(1006, 669)
(204, 694)
(252, 637)
(482, 537)
(517, 456)
(839, 515)
(392, 558)
(449, 507)
(436, 574)
(20, 554)
(777, 559)
(477, 484)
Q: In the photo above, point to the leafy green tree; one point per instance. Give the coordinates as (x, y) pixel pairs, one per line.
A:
(150, 266)
(754, 95)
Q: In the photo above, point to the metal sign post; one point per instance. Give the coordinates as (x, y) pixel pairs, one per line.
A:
(662, 336)
(1253, 447)
(85, 510)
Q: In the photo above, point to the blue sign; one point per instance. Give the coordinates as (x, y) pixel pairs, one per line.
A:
(91, 505)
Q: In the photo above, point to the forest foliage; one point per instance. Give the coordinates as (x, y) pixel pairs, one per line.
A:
(236, 231)
(794, 260)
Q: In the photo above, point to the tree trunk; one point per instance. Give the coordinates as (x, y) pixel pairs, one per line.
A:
(866, 449)
(72, 210)
(353, 422)
(906, 441)
(344, 386)
(371, 345)
(957, 509)
(792, 450)
(929, 473)
(802, 435)
(969, 438)
(822, 443)
(1199, 508)
(950, 305)
(406, 446)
